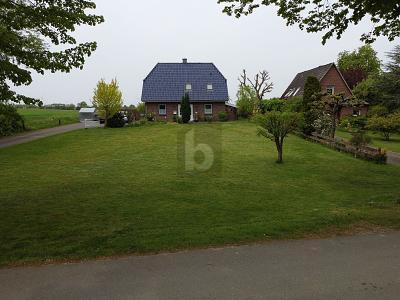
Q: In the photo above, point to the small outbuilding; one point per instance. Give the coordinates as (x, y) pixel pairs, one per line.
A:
(88, 114)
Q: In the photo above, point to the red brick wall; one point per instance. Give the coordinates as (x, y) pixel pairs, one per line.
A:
(198, 107)
(333, 78)
(348, 111)
(171, 108)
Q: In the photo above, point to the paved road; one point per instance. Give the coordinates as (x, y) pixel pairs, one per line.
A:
(37, 134)
(393, 158)
(359, 267)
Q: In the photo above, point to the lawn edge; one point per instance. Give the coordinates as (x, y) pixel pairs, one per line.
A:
(357, 229)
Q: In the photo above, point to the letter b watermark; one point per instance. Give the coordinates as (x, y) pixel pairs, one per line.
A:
(199, 149)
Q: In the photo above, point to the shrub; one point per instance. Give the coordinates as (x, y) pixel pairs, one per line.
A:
(354, 123)
(10, 121)
(117, 121)
(379, 111)
(208, 119)
(359, 139)
(151, 117)
(323, 125)
(223, 116)
(294, 104)
(272, 105)
(386, 126)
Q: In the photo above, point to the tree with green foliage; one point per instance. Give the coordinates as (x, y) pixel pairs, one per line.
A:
(389, 83)
(330, 17)
(82, 104)
(276, 126)
(359, 65)
(386, 126)
(311, 94)
(246, 101)
(186, 110)
(10, 121)
(141, 108)
(107, 99)
(368, 90)
(364, 58)
(28, 28)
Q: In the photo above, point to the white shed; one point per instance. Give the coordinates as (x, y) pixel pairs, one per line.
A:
(88, 114)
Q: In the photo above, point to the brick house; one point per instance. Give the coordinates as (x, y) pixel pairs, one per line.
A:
(332, 82)
(207, 88)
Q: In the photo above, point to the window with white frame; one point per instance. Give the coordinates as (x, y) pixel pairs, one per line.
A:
(209, 87)
(162, 109)
(208, 109)
(188, 87)
(330, 90)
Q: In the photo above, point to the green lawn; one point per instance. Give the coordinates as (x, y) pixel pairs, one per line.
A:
(377, 140)
(47, 118)
(105, 192)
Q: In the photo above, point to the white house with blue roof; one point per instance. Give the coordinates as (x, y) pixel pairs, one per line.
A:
(207, 88)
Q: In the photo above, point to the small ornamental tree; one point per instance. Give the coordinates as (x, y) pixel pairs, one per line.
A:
(332, 106)
(386, 126)
(276, 126)
(312, 91)
(107, 99)
(185, 109)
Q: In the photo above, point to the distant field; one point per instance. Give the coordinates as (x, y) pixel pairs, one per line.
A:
(47, 118)
(377, 140)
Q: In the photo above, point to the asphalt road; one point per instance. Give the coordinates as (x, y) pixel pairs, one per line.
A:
(37, 134)
(359, 267)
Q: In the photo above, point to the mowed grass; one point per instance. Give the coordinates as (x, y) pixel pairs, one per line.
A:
(47, 118)
(105, 192)
(377, 140)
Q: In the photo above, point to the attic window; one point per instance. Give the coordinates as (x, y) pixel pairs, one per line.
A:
(330, 90)
(188, 87)
(209, 87)
(288, 94)
(295, 93)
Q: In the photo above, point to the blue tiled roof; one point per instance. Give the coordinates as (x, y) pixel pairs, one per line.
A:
(167, 82)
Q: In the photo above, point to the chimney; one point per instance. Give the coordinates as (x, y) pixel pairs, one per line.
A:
(184, 60)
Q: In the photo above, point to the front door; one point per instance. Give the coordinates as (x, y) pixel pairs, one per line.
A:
(191, 112)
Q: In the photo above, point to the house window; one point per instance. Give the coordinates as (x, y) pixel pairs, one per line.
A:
(188, 87)
(162, 109)
(208, 109)
(330, 90)
(209, 87)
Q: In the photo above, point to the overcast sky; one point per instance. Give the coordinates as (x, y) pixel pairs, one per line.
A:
(138, 34)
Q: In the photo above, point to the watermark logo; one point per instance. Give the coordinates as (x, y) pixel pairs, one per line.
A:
(199, 149)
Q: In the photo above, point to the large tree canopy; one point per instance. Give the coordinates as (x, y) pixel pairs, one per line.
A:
(330, 17)
(364, 58)
(359, 64)
(28, 28)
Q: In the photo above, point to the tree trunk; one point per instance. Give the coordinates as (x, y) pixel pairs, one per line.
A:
(106, 120)
(333, 129)
(279, 147)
